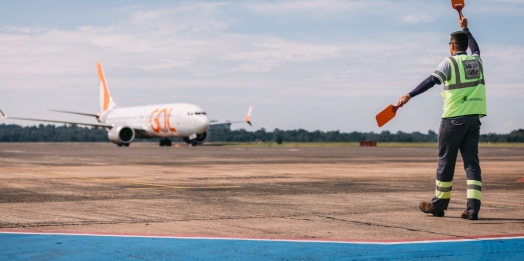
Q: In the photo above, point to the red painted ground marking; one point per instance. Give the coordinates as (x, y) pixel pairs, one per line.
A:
(357, 241)
(520, 180)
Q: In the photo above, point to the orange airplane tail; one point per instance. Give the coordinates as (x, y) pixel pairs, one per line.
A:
(106, 102)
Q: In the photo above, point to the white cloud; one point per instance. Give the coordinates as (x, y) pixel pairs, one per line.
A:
(496, 7)
(195, 17)
(23, 30)
(312, 6)
(262, 53)
(495, 2)
(417, 18)
(367, 11)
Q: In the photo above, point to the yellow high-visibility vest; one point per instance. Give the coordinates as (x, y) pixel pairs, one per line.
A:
(465, 90)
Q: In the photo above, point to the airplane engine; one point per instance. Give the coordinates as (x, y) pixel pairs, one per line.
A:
(201, 138)
(121, 135)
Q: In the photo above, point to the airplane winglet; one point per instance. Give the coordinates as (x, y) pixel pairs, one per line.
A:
(3, 115)
(248, 116)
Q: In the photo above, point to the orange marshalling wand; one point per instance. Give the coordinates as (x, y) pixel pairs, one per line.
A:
(458, 5)
(386, 115)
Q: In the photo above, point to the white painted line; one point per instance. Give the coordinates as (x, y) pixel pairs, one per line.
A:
(465, 239)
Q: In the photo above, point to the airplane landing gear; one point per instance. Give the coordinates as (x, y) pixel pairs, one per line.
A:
(165, 142)
(190, 142)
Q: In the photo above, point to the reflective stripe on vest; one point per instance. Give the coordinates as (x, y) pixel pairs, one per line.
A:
(464, 90)
(474, 189)
(443, 189)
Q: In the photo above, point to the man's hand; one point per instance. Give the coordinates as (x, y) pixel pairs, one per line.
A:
(463, 22)
(403, 100)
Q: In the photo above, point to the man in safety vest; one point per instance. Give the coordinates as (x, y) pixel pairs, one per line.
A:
(464, 103)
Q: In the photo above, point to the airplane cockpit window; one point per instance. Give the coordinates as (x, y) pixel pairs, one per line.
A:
(200, 113)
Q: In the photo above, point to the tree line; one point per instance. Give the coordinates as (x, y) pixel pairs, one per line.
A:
(223, 133)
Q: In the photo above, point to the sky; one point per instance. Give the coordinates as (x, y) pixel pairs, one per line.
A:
(316, 65)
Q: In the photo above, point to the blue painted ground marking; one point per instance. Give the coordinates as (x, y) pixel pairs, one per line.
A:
(17, 246)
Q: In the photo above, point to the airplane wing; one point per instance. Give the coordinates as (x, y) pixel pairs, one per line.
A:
(4, 116)
(246, 119)
(78, 113)
(227, 122)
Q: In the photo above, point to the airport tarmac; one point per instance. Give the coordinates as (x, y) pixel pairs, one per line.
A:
(324, 193)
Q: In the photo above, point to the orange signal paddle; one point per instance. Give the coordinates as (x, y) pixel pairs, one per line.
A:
(386, 115)
(458, 5)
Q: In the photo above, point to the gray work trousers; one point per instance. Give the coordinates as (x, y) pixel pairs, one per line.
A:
(461, 133)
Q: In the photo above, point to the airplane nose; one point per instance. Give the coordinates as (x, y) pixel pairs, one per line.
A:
(203, 123)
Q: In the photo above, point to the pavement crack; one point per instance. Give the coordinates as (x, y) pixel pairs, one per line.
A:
(367, 223)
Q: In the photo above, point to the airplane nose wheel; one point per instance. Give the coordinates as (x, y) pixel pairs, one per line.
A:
(191, 143)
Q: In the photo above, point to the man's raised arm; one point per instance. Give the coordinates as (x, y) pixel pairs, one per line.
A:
(472, 43)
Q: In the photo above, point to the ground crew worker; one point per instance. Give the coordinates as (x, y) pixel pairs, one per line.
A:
(464, 103)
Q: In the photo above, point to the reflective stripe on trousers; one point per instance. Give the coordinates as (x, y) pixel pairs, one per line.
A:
(443, 189)
(474, 189)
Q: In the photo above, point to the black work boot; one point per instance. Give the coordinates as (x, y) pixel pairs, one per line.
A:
(469, 216)
(428, 208)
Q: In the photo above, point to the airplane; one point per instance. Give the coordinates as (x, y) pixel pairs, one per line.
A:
(165, 121)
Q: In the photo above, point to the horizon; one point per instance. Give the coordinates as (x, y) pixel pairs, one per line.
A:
(266, 130)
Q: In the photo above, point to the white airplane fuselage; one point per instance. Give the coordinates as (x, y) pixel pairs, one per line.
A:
(160, 121)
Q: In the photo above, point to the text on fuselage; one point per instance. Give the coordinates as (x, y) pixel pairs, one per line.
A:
(160, 121)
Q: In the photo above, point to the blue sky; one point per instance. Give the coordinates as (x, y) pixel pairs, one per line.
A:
(316, 65)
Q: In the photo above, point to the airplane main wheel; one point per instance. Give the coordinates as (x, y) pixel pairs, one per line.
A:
(162, 143)
(168, 142)
(126, 144)
(119, 145)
